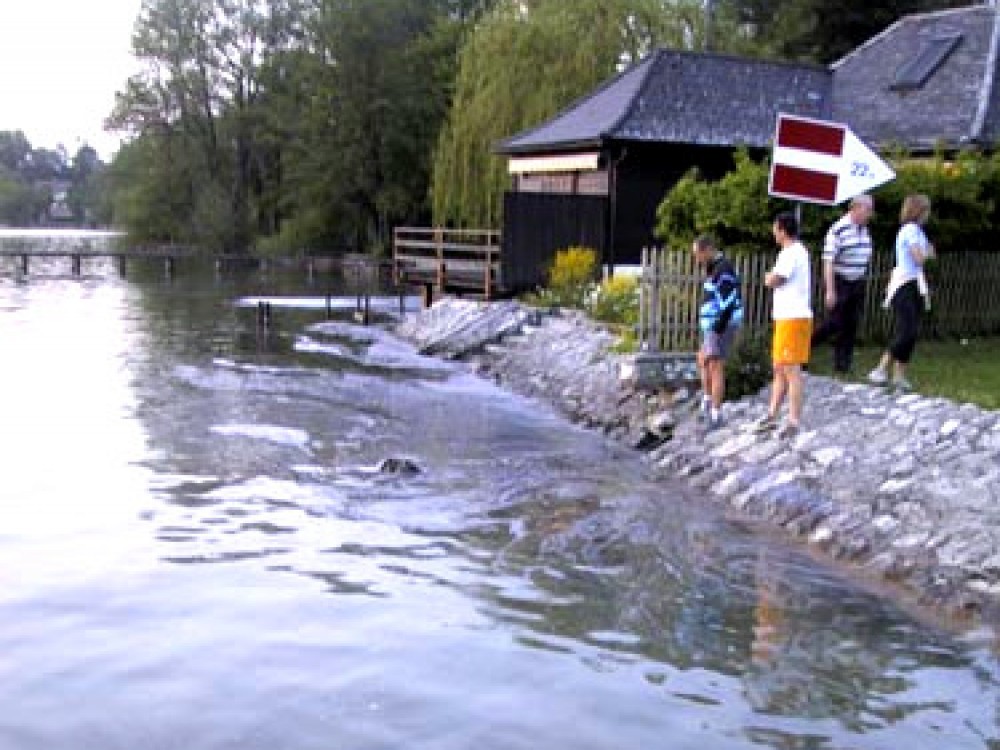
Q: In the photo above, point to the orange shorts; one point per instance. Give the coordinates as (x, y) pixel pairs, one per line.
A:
(791, 341)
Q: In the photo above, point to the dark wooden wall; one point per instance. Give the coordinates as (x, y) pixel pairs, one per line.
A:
(537, 225)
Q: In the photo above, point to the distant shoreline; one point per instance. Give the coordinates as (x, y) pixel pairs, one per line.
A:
(39, 232)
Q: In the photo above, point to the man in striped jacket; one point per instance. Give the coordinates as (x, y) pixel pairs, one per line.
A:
(847, 252)
(719, 317)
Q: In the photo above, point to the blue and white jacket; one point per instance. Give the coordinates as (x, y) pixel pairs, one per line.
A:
(721, 302)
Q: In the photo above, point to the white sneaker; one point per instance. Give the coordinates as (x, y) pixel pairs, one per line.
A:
(878, 376)
(705, 409)
(902, 385)
(788, 430)
(764, 424)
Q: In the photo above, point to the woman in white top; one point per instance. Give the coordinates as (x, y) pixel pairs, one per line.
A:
(907, 289)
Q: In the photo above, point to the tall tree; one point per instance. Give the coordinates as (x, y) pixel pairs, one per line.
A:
(197, 94)
(14, 150)
(84, 193)
(373, 99)
(810, 30)
(311, 121)
(524, 62)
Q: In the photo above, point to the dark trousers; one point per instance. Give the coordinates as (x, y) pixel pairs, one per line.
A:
(907, 304)
(841, 323)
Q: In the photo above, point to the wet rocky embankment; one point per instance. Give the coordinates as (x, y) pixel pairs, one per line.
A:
(903, 488)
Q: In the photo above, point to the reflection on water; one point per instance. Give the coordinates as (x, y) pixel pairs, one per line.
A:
(198, 549)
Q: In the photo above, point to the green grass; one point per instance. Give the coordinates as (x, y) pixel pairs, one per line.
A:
(960, 372)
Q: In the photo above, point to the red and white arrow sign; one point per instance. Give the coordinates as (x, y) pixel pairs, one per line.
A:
(822, 162)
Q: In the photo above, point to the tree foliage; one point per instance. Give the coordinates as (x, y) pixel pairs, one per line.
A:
(288, 124)
(281, 126)
(819, 31)
(31, 177)
(197, 97)
(360, 158)
(521, 65)
(964, 193)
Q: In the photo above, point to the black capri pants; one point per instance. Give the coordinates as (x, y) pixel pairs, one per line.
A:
(907, 305)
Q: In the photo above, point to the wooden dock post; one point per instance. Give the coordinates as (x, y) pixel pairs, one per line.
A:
(24, 264)
(488, 280)
(264, 315)
(122, 263)
(362, 314)
(441, 282)
(77, 264)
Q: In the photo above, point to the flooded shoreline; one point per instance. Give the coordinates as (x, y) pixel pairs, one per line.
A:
(204, 543)
(901, 489)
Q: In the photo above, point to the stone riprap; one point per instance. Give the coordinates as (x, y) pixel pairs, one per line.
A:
(902, 487)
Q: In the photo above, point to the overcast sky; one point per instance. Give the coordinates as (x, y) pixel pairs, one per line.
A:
(61, 62)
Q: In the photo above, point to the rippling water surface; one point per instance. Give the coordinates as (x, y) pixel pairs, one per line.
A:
(198, 551)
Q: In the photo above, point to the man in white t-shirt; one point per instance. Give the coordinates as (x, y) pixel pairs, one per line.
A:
(792, 314)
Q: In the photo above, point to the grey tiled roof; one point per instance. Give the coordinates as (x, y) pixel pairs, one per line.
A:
(588, 119)
(708, 99)
(685, 97)
(958, 103)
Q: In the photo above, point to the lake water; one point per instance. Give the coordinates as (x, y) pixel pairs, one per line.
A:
(197, 551)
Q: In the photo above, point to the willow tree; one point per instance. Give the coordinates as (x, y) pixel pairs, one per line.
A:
(524, 62)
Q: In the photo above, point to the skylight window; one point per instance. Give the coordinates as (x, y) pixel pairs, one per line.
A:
(915, 72)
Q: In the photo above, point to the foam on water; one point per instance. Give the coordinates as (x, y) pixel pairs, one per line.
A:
(272, 433)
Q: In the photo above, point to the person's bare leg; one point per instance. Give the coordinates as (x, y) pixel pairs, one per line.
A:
(779, 386)
(793, 374)
(717, 381)
(704, 375)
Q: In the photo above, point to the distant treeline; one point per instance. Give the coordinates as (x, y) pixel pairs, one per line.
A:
(40, 186)
(291, 125)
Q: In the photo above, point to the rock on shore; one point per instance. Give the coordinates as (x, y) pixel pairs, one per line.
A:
(903, 487)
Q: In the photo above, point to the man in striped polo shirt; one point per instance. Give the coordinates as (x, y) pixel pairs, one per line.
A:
(846, 254)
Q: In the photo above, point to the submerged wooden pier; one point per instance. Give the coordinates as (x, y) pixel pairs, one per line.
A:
(356, 267)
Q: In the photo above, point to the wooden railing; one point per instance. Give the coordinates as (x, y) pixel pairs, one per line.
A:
(443, 260)
(965, 296)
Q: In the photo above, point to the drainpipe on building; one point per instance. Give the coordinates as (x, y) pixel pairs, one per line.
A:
(613, 207)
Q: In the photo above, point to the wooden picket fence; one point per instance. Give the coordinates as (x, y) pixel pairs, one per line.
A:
(965, 296)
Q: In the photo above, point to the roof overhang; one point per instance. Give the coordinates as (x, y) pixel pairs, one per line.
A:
(584, 162)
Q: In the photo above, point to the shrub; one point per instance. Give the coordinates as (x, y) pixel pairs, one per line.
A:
(964, 192)
(748, 366)
(616, 301)
(628, 342)
(736, 209)
(571, 276)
